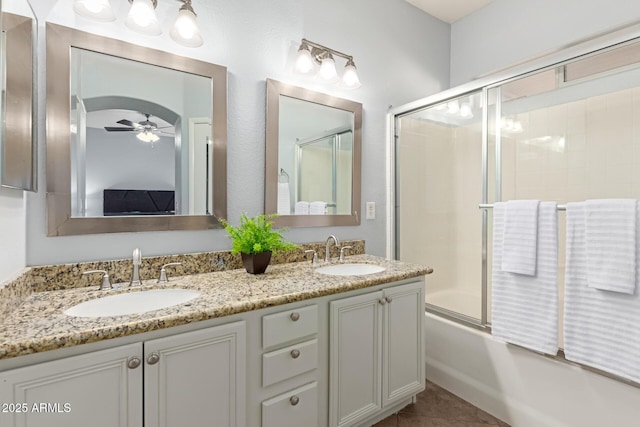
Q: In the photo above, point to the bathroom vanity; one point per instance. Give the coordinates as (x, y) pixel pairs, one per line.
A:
(292, 347)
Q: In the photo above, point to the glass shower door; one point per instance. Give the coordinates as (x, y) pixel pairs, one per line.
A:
(438, 189)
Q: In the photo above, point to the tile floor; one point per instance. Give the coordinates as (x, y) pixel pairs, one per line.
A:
(436, 407)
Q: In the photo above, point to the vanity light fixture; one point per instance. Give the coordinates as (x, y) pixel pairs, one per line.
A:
(185, 31)
(311, 53)
(98, 10)
(142, 17)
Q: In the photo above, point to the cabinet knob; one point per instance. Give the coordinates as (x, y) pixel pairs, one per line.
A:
(295, 316)
(388, 299)
(153, 358)
(133, 362)
(295, 353)
(294, 400)
(382, 301)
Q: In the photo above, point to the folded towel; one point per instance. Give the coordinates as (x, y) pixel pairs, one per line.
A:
(520, 242)
(525, 308)
(600, 328)
(302, 208)
(611, 244)
(284, 199)
(317, 208)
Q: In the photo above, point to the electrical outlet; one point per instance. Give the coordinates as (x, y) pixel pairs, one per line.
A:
(371, 210)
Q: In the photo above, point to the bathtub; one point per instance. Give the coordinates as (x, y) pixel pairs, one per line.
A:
(521, 387)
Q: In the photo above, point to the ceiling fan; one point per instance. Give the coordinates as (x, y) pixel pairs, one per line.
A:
(147, 130)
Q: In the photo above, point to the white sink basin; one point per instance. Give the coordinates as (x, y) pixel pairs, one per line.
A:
(350, 269)
(132, 303)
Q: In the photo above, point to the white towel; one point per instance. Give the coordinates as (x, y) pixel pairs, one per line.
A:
(317, 208)
(284, 199)
(611, 244)
(520, 242)
(525, 308)
(302, 208)
(601, 329)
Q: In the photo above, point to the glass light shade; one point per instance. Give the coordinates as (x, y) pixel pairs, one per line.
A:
(98, 10)
(350, 79)
(185, 31)
(147, 136)
(304, 62)
(328, 69)
(142, 18)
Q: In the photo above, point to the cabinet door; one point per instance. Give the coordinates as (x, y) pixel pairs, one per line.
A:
(96, 389)
(403, 355)
(355, 359)
(196, 379)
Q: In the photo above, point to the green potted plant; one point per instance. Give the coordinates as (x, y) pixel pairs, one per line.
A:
(255, 240)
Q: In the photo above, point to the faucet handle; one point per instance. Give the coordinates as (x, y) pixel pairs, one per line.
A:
(106, 284)
(163, 272)
(314, 260)
(342, 249)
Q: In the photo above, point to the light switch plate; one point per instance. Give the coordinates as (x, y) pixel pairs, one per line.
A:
(371, 210)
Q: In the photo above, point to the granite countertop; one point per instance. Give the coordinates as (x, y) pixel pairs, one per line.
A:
(39, 323)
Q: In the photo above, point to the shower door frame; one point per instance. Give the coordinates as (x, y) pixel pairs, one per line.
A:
(494, 81)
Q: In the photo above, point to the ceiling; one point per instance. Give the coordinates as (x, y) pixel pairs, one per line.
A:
(449, 10)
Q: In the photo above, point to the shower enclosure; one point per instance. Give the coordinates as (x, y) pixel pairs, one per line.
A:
(562, 131)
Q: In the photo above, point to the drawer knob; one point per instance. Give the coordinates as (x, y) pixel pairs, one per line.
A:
(388, 299)
(382, 301)
(133, 362)
(153, 358)
(295, 316)
(294, 400)
(295, 353)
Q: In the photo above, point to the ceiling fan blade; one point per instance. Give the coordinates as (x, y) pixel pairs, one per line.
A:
(118, 129)
(127, 123)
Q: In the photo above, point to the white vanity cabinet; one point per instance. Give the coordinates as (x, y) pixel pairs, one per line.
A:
(101, 389)
(292, 336)
(376, 352)
(191, 379)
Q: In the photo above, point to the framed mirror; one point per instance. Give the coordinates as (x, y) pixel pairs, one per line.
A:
(18, 155)
(136, 137)
(313, 157)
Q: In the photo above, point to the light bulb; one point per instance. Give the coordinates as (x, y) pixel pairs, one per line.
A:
(142, 18)
(98, 10)
(328, 69)
(304, 60)
(350, 79)
(465, 111)
(185, 31)
(453, 107)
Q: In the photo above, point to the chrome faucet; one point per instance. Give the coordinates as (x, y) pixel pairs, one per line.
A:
(327, 253)
(137, 260)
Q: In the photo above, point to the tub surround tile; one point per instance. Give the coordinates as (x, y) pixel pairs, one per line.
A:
(39, 323)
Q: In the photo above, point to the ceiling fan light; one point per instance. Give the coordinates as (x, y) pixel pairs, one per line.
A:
(142, 17)
(97, 10)
(185, 30)
(147, 136)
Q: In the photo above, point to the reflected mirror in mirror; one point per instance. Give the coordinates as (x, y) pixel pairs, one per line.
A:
(136, 137)
(313, 157)
(17, 51)
(131, 152)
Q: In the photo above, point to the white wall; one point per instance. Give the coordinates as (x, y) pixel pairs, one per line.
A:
(258, 40)
(509, 31)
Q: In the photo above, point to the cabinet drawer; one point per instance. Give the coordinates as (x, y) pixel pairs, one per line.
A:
(289, 362)
(290, 325)
(296, 408)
